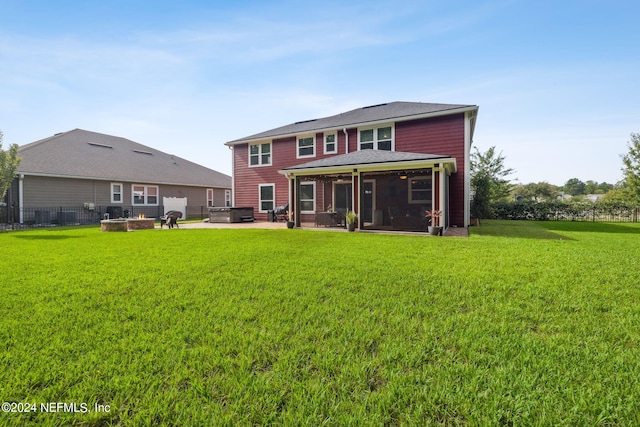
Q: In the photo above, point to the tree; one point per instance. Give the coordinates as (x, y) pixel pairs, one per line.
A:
(540, 192)
(491, 165)
(9, 162)
(631, 168)
(480, 203)
(574, 187)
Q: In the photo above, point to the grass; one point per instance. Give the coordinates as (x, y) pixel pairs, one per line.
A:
(520, 324)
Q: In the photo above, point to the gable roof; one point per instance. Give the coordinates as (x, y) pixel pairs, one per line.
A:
(393, 111)
(90, 155)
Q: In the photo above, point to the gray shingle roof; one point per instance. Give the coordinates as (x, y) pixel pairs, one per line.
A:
(365, 157)
(390, 111)
(83, 154)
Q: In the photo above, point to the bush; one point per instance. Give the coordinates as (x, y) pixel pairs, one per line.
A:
(566, 211)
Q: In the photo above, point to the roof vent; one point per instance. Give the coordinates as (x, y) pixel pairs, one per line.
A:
(305, 121)
(143, 152)
(373, 106)
(97, 144)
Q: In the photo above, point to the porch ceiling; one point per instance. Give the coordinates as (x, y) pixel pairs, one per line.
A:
(370, 160)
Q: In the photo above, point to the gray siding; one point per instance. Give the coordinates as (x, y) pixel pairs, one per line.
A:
(41, 192)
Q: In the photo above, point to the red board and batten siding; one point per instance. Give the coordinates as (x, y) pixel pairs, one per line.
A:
(439, 135)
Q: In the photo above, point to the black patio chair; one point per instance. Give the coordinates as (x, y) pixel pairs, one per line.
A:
(170, 218)
(281, 213)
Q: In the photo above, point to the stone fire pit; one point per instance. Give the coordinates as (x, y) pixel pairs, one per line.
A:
(127, 224)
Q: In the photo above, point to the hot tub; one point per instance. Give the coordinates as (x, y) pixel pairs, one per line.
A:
(226, 214)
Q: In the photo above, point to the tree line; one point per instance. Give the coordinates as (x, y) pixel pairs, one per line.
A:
(490, 183)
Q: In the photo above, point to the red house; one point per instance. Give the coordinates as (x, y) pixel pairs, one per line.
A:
(389, 163)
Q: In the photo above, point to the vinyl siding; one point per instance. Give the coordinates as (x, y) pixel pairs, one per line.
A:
(41, 192)
(439, 135)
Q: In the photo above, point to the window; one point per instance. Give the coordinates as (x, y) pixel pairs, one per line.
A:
(267, 194)
(260, 154)
(376, 139)
(307, 197)
(144, 194)
(227, 198)
(209, 197)
(307, 147)
(330, 143)
(420, 189)
(116, 192)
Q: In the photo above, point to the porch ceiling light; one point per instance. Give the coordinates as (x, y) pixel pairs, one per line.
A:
(403, 175)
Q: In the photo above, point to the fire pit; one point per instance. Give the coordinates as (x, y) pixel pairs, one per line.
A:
(127, 224)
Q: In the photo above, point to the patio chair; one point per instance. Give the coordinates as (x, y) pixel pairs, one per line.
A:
(281, 213)
(170, 218)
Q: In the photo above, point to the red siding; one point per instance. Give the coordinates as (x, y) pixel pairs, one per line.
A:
(440, 135)
(283, 154)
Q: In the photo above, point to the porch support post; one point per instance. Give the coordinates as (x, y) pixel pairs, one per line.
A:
(443, 206)
(296, 202)
(290, 181)
(356, 200)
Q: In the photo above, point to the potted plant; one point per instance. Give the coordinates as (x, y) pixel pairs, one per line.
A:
(290, 222)
(434, 219)
(351, 219)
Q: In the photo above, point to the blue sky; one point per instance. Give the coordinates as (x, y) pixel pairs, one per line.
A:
(557, 82)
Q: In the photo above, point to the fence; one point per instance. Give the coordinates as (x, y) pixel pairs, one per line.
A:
(561, 211)
(15, 218)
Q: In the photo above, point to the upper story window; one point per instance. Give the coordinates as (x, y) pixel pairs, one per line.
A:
(144, 194)
(330, 143)
(260, 154)
(380, 138)
(307, 147)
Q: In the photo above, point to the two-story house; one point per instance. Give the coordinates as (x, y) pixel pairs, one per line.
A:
(389, 163)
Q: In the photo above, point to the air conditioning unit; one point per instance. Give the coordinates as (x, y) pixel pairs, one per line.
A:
(90, 206)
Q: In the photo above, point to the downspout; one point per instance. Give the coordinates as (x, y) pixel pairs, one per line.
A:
(21, 197)
(346, 139)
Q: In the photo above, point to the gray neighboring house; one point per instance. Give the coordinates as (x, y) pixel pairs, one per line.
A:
(92, 174)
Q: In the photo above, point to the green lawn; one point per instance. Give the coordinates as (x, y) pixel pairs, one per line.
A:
(519, 324)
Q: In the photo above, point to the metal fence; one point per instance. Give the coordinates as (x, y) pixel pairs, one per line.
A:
(12, 218)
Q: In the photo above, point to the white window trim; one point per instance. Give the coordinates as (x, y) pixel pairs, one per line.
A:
(375, 135)
(121, 192)
(227, 198)
(419, 202)
(312, 183)
(260, 164)
(335, 143)
(298, 156)
(146, 195)
(260, 196)
(210, 199)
